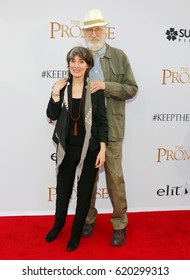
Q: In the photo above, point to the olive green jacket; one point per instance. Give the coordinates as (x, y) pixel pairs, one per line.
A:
(120, 86)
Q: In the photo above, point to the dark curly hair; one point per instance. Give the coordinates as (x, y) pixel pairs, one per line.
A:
(83, 53)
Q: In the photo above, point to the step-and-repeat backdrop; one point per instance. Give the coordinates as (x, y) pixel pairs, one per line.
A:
(34, 40)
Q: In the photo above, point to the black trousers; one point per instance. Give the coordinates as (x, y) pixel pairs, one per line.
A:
(65, 181)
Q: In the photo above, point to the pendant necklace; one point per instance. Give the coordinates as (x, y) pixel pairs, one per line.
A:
(75, 131)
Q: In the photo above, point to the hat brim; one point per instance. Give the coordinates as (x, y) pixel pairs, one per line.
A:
(94, 24)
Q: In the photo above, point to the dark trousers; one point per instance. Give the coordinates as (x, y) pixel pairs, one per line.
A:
(65, 181)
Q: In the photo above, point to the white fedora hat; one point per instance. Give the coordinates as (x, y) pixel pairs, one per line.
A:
(93, 18)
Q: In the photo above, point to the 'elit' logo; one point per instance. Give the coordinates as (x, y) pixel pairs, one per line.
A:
(180, 191)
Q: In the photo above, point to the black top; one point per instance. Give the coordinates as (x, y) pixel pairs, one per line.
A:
(99, 130)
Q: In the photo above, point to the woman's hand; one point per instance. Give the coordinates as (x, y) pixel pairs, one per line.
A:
(57, 87)
(100, 159)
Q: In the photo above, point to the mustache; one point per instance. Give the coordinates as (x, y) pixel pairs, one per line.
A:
(95, 39)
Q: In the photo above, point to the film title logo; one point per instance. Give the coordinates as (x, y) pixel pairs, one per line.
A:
(101, 193)
(73, 30)
(174, 77)
(178, 154)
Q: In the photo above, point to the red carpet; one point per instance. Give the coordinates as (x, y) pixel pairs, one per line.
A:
(150, 236)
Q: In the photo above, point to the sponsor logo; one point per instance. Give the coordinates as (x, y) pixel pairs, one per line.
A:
(178, 35)
(179, 191)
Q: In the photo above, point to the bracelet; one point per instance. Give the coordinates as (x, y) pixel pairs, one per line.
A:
(55, 95)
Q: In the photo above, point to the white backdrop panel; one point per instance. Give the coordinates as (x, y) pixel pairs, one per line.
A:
(157, 138)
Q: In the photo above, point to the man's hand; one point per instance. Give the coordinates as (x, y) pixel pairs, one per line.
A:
(96, 85)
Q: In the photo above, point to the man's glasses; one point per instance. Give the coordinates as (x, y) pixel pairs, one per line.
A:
(97, 30)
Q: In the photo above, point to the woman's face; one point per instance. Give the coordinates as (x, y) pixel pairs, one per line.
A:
(77, 67)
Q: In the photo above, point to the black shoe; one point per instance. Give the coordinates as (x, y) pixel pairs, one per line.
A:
(118, 237)
(87, 230)
(53, 233)
(73, 244)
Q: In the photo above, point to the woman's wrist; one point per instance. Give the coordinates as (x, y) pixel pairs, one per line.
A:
(103, 146)
(55, 95)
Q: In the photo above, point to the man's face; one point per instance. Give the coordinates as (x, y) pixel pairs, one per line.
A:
(95, 37)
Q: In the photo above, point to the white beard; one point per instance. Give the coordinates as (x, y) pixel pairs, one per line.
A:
(95, 45)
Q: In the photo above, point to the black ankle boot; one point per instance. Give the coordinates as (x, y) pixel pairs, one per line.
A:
(53, 233)
(73, 244)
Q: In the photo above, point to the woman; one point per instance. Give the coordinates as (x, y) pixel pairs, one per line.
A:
(81, 134)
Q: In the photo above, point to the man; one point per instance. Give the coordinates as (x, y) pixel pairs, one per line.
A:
(112, 73)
